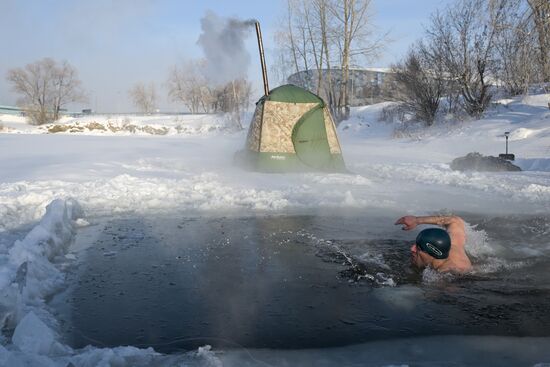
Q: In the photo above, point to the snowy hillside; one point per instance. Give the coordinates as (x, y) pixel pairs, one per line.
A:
(61, 177)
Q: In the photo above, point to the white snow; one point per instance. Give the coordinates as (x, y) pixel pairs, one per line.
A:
(52, 184)
(124, 125)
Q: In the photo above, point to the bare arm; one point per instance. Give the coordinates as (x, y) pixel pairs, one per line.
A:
(452, 223)
(410, 221)
(443, 221)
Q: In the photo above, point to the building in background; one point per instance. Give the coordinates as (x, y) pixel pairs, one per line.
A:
(367, 86)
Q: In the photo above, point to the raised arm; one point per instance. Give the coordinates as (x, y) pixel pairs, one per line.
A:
(449, 222)
(452, 223)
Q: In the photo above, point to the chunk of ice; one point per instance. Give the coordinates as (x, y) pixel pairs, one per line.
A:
(33, 336)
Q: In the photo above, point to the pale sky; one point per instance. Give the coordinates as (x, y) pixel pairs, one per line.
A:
(116, 43)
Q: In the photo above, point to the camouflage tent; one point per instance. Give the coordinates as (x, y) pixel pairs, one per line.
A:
(292, 130)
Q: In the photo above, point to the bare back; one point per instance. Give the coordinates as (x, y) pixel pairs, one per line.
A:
(457, 261)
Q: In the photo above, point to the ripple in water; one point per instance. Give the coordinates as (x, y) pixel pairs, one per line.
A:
(177, 283)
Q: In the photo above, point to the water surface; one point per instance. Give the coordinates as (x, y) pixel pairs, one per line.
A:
(304, 281)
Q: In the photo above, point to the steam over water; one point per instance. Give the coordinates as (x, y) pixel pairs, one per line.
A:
(176, 283)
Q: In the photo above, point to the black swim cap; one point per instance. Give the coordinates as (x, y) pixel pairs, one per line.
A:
(434, 241)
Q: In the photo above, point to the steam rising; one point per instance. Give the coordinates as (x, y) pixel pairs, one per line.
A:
(223, 43)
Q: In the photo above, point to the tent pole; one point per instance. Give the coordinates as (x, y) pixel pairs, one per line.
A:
(262, 58)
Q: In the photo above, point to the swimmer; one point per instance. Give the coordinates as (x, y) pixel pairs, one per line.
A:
(442, 250)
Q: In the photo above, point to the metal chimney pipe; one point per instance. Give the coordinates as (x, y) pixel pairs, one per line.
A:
(262, 58)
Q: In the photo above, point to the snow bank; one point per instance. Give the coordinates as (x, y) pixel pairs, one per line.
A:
(12, 118)
(50, 236)
(106, 357)
(541, 100)
(533, 164)
(22, 201)
(27, 274)
(127, 125)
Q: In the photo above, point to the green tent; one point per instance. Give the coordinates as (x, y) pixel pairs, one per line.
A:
(292, 130)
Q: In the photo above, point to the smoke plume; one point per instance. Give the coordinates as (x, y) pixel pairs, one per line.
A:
(223, 43)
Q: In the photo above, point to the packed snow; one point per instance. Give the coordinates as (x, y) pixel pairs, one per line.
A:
(59, 177)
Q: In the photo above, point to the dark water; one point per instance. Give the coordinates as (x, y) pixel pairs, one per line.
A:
(177, 283)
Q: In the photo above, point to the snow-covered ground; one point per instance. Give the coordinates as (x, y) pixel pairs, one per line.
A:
(59, 177)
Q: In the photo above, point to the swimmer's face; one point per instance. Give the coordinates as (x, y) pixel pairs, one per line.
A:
(418, 257)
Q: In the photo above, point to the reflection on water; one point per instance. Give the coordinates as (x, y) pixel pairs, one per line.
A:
(298, 282)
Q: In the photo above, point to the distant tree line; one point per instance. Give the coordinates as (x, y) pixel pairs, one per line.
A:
(189, 84)
(46, 87)
(471, 49)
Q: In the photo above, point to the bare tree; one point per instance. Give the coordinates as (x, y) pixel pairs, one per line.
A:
(233, 98)
(45, 88)
(420, 84)
(515, 44)
(321, 34)
(350, 14)
(189, 85)
(295, 42)
(540, 14)
(144, 97)
(66, 87)
(300, 40)
(282, 65)
(324, 30)
(464, 39)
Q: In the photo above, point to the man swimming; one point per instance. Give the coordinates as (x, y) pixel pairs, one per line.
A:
(442, 250)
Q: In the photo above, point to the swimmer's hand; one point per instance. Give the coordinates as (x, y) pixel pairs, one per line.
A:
(409, 222)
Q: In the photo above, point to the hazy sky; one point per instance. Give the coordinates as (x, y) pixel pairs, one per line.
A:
(115, 43)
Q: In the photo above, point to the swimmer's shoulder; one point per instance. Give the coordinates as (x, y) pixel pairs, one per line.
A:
(461, 267)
